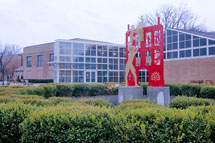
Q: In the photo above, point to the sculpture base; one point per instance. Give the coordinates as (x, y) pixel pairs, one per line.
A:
(159, 95)
(130, 92)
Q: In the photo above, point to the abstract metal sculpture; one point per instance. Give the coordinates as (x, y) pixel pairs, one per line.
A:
(144, 49)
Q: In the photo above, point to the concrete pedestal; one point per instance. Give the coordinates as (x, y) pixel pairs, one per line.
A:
(159, 95)
(130, 92)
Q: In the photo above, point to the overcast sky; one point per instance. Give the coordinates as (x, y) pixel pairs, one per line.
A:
(30, 22)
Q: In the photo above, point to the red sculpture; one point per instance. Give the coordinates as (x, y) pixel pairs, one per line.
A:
(144, 49)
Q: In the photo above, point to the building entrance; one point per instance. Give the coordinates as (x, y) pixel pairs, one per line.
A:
(90, 76)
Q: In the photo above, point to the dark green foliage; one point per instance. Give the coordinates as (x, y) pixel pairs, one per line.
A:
(97, 89)
(11, 115)
(81, 90)
(175, 89)
(64, 90)
(40, 80)
(69, 125)
(183, 102)
(207, 92)
(190, 90)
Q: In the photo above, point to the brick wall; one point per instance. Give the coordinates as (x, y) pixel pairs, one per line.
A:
(185, 71)
(35, 72)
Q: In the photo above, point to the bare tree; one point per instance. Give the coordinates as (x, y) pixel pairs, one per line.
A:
(7, 52)
(173, 17)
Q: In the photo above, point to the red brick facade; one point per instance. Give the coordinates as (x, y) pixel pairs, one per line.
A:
(35, 72)
(188, 70)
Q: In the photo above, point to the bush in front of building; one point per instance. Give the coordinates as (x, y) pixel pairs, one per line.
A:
(69, 124)
(183, 102)
(207, 92)
(40, 80)
(95, 102)
(11, 115)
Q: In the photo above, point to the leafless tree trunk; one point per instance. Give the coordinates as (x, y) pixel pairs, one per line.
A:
(7, 52)
(173, 17)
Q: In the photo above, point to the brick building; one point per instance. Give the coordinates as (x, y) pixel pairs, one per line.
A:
(36, 62)
(188, 57)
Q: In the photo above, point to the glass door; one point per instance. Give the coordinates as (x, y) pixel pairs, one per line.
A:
(90, 76)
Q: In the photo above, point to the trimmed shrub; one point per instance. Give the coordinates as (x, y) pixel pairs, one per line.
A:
(81, 90)
(162, 125)
(208, 112)
(95, 102)
(207, 92)
(175, 89)
(135, 104)
(64, 90)
(97, 89)
(11, 115)
(63, 124)
(183, 102)
(60, 100)
(190, 90)
(40, 80)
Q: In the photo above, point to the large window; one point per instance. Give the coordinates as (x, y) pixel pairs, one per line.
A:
(78, 49)
(122, 52)
(78, 76)
(65, 58)
(113, 76)
(211, 42)
(184, 40)
(51, 59)
(102, 51)
(102, 76)
(65, 76)
(122, 76)
(197, 41)
(172, 55)
(185, 53)
(113, 64)
(211, 50)
(113, 51)
(29, 61)
(78, 66)
(91, 50)
(40, 60)
(122, 63)
(65, 48)
(65, 66)
(172, 40)
(200, 52)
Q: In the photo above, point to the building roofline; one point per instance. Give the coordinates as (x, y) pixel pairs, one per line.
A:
(38, 45)
(198, 33)
(89, 41)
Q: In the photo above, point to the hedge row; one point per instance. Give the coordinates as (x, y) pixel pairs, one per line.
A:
(86, 123)
(69, 90)
(183, 102)
(202, 91)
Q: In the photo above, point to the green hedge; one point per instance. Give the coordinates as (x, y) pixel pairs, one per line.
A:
(11, 115)
(96, 124)
(96, 120)
(69, 90)
(95, 102)
(83, 124)
(203, 91)
(40, 80)
(183, 102)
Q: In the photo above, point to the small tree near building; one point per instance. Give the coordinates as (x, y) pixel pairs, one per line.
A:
(7, 53)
